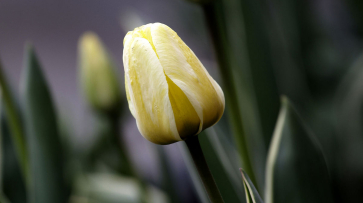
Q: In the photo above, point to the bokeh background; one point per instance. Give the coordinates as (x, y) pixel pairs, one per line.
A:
(312, 50)
(55, 27)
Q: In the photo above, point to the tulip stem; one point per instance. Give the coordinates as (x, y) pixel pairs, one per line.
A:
(203, 170)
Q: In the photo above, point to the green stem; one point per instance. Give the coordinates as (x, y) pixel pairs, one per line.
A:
(16, 128)
(127, 167)
(215, 16)
(203, 170)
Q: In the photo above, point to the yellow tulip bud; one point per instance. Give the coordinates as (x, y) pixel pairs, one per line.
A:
(98, 79)
(170, 93)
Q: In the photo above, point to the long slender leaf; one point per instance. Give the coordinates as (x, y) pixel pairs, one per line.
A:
(12, 179)
(1, 150)
(250, 190)
(3, 199)
(349, 139)
(257, 62)
(240, 34)
(222, 168)
(233, 85)
(46, 163)
(296, 170)
(13, 117)
(226, 146)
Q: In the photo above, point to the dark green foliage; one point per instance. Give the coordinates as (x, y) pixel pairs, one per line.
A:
(47, 183)
(13, 184)
(223, 173)
(250, 190)
(296, 168)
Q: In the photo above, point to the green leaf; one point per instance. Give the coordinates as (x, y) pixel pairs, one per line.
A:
(13, 116)
(348, 142)
(3, 198)
(220, 164)
(219, 155)
(257, 65)
(12, 179)
(296, 170)
(47, 183)
(240, 36)
(250, 190)
(1, 150)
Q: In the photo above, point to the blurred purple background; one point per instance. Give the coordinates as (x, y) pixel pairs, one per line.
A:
(329, 36)
(54, 27)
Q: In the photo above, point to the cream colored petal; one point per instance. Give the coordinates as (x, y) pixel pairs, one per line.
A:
(131, 104)
(182, 66)
(126, 55)
(144, 32)
(217, 88)
(148, 92)
(127, 37)
(219, 92)
(186, 118)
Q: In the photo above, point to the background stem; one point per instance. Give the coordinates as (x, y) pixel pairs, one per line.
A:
(203, 170)
(128, 168)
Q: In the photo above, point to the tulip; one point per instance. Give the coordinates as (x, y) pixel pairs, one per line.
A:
(98, 80)
(169, 91)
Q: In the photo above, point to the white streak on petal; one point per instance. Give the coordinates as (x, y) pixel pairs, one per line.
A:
(126, 55)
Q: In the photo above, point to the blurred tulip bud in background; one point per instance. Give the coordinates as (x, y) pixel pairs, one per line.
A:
(170, 93)
(98, 79)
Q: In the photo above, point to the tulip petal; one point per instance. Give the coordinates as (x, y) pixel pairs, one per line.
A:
(131, 105)
(148, 92)
(127, 39)
(186, 118)
(182, 66)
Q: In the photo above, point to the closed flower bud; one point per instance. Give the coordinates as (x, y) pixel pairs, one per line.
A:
(98, 80)
(170, 93)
